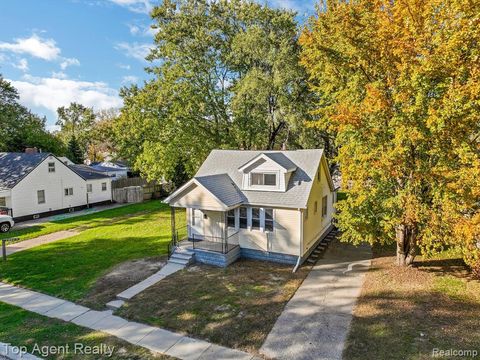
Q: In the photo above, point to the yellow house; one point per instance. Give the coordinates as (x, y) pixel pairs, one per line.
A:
(266, 205)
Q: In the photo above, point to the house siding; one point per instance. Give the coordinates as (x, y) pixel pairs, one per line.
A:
(24, 195)
(97, 195)
(196, 198)
(315, 225)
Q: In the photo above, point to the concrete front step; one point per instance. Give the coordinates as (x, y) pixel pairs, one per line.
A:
(115, 304)
(180, 255)
(179, 261)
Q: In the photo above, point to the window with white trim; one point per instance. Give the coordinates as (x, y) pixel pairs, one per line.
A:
(3, 201)
(256, 218)
(231, 218)
(68, 191)
(89, 188)
(51, 167)
(41, 196)
(243, 217)
(268, 219)
(324, 205)
(104, 186)
(264, 179)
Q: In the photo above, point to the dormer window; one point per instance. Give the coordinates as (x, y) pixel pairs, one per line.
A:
(263, 179)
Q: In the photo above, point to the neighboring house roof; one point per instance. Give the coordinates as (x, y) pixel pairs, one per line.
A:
(87, 173)
(220, 175)
(101, 168)
(15, 166)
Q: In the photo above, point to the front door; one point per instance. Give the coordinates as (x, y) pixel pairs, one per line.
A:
(197, 224)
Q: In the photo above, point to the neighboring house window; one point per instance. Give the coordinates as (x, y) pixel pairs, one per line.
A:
(231, 218)
(51, 167)
(3, 201)
(41, 196)
(243, 217)
(256, 218)
(268, 219)
(89, 188)
(324, 205)
(104, 186)
(263, 179)
(68, 191)
(113, 175)
(315, 207)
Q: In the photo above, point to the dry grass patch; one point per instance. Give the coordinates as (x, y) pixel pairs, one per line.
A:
(120, 278)
(234, 307)
(404, 313)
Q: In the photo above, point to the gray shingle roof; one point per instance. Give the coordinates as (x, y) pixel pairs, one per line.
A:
(15, 166)
(87, 173)
(222, 186)
(227, 163)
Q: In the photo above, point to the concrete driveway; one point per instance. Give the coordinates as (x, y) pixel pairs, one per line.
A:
(315, 322)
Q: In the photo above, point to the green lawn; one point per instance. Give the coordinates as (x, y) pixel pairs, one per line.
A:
(23, 328)
(83, 221)
(69, 268)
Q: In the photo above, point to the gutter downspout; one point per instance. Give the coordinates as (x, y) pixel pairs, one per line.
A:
(299, 260)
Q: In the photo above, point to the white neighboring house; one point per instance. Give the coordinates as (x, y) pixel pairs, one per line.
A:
(40, 184)
(266, 205)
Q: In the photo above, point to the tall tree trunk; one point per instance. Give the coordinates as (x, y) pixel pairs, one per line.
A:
(406, 244)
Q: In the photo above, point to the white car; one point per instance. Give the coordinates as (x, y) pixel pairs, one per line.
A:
(6, 223)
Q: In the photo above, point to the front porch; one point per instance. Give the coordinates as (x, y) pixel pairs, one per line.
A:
(206, 234)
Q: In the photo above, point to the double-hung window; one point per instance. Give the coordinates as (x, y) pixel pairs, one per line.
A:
(51, 167)
(268, 219)
(256, 218)
(41, 196)
(68, 191)
(324, 205)
(243, 217)
(231, 218)
(104, 186)
(89, 188)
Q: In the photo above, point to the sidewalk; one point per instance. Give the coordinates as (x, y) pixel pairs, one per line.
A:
(316, 321)
(40, 240)
(152, 338)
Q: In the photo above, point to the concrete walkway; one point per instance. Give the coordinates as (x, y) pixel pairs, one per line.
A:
(152, 338)
(316, 321)
(129, 293)
(40, 240)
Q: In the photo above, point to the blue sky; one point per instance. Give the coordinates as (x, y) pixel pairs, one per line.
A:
(58, 51)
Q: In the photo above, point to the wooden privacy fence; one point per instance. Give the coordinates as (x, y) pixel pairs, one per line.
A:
(136, 189)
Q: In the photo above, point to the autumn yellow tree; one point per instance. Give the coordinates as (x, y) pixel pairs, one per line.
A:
(399, 82)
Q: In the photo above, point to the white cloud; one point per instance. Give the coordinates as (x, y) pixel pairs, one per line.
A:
(59, 75)
(135, 50)
(51, 93)
(129, 79)
(124, 66)
(134, 29)
(137, 6)
(45, 49)
(22, 65)
(68, 62)
(142, 30)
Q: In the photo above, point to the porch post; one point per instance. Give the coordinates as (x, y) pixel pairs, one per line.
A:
(225, 231)
(172, 221)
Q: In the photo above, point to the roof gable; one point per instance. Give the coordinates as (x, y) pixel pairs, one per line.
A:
(16, 166)
(278, 158)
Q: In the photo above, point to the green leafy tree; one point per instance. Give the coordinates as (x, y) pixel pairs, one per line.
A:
(19, 128)
(399, 82)
(227, 75)
(75, 153)
(76, 121)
